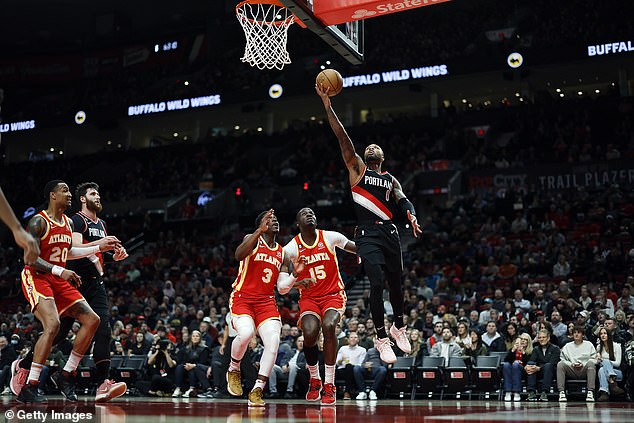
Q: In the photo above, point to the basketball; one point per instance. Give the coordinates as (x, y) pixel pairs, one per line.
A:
(330, 78)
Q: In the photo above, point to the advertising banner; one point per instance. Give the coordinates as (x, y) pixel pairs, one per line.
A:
(561, 177)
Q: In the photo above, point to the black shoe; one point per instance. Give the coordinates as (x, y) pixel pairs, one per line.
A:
(290, 395)
(221, 395)
(30, 394)
(531, 396)
(66, 385)
(543, 397)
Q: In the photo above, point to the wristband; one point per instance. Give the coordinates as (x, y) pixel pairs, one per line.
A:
(57, 270)
(405, 205)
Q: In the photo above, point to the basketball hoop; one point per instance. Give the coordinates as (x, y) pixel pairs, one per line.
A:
(265, 24)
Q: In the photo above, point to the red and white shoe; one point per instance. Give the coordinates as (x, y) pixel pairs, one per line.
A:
(384, 347)
(329, 396)
(314, 390)
(400, 336)
(18, 377)
(110, 389)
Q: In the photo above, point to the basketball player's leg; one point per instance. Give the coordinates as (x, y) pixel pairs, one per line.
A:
(398, 329)
(393, 273)
(311, 326)
(97, 298)
(329, 322)
(65, 324)
(269, 332)
(245, 328)
(46, 313)
(81, 311)
(375, 274)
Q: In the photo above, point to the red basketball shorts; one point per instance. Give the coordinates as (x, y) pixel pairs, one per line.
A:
(318, 306)
(260, 309)
(38, 286)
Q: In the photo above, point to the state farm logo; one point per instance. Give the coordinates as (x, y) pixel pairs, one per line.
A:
(362, 13)
(390, 7)
(320, 245)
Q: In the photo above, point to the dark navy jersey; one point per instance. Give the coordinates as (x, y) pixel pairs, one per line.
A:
(91, 230)
(372, 196)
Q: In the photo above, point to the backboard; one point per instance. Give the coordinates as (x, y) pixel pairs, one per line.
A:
(346, 37)
(340, 22)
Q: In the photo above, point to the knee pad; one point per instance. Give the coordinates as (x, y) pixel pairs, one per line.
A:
(244, 326)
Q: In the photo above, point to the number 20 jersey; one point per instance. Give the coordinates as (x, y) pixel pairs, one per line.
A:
(258, 272)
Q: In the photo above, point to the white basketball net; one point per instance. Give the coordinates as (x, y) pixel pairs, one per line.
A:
(265, 27)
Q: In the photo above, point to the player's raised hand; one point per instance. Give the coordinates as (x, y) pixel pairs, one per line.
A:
(108, 243)
(266, 221)
(414, 222)
(120, 253)
(72, 277)
(323, 93)
(30, 245)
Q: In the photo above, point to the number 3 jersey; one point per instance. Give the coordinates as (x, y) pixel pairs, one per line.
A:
(258, 272)
(322, 262)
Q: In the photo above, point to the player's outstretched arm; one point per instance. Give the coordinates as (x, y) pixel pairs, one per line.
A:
(251, 241)
(28, 243)
(406, 207)
(353, 161)
(350, 247)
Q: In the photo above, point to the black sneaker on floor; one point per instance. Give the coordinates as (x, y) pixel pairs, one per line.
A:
(66, 385)
(543, 397)
(531, 396)
(30, 394)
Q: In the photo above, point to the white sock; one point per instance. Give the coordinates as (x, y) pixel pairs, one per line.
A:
(234, 366)
(314, 371)
(34, 374)
(330, 374)
(259, 383)
(73, 362)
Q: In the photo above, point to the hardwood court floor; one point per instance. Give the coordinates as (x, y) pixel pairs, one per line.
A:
(167, 410)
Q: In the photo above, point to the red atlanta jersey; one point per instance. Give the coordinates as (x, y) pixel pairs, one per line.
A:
(322, 262)
(55, 242)
(258, 272)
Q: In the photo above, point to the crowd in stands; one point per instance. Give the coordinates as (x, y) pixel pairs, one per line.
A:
(478, 282)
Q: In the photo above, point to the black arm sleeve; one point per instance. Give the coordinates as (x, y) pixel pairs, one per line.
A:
(405, 205)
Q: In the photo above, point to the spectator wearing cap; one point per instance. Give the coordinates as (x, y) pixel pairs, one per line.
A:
(485, 313)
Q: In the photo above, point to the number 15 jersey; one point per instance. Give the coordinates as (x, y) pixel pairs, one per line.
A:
(258, 272)
(322, 262)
